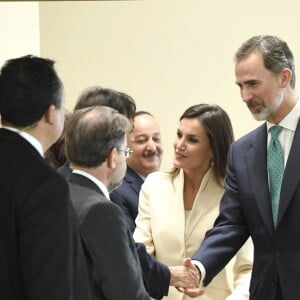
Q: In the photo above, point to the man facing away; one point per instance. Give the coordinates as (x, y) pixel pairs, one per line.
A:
(96, 148)
(40, 252)
(265, 74)
(147, 150)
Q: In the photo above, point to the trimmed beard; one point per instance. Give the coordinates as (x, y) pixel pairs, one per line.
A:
(272, 108)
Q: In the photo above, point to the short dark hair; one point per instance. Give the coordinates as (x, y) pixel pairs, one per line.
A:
(219, 131)
(98, 96)
(92, 132)
(28, 86)
(275, 52)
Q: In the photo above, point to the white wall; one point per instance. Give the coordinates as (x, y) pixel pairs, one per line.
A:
(19, 29)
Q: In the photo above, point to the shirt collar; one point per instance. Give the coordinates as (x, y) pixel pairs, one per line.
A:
(290, 121)
(29, 138)
(99, 184)
(142, 177)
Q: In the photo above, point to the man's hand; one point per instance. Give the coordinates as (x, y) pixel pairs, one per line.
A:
(197, 290)
(186, 276)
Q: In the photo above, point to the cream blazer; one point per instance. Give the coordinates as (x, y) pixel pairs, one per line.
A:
(171, 235)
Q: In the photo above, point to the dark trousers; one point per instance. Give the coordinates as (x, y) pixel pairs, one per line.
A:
(279, 292)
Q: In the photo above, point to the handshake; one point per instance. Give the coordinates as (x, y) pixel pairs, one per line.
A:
(187, 278)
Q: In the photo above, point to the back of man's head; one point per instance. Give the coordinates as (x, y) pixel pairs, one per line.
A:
(28, 86)
(98, 96)
(92, 132)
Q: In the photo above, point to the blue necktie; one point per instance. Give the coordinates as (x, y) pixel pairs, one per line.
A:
(275, 169)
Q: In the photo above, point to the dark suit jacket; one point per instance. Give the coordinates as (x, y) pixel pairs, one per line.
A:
(156, 275)
(127, 196)
(39, 254)
(246, 210)
(110, 250)
(65, 170)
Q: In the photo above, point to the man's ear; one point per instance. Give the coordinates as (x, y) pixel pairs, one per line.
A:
(285, 77)
(112, 158)
(50, 114)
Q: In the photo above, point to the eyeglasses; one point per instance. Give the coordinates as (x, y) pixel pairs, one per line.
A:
(127, 151)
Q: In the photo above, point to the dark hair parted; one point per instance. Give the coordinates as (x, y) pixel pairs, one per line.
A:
(28, 86)
(92, 132)
(219, 131)
(275, 52)
(97, 95)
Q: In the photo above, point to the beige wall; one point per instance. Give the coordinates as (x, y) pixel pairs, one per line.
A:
(19, 29)
(167, 54)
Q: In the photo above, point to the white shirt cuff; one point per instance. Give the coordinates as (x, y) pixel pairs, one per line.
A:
(201, 268)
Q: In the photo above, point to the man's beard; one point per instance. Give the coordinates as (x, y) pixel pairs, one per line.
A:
(117, 176)
(114, 185)
(270, 109)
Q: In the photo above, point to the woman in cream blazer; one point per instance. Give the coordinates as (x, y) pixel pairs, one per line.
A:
(177, 208)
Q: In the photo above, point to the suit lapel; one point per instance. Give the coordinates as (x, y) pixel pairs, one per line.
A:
(291, 177)
(256, 160)
(177, 212)
(134, 180)
(201, 206)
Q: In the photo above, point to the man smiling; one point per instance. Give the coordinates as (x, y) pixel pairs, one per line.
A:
(145, 141)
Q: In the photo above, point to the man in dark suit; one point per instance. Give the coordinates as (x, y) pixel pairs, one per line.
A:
(145, 142)
(40, 252)
(96, 148)
(265, 74)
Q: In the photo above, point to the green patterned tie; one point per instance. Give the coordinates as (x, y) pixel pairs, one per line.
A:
(275, 169)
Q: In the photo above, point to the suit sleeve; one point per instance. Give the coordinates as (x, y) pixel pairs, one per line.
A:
(156, 275)
(116, 269)
(121, 200)
(46, 248)
(229, 232)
